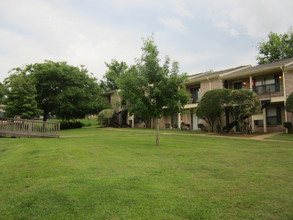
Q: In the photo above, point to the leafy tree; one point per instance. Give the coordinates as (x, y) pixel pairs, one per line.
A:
(64, 90)
(105, 117)
(211, 106)
(278, 47)
(115, 69)
(242, 104)
(2, 93)
(21, 96)
(289, 103)
(151, 90)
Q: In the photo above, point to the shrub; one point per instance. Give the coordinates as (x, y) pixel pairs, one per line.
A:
(105, 116)
(70, 125)
(288, 125)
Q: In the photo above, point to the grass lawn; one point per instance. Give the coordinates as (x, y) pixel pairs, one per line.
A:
(282, 137)
(94, 173)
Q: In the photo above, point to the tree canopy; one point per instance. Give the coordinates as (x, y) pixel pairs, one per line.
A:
(115, 69)
(150, 90)
(211, 106)
(64, 90)
(2, 93)
(241, 104)
(278, 47)
(21, 97)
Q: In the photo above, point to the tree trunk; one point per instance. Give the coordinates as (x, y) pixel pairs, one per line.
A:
(45, 116)
(157, 136)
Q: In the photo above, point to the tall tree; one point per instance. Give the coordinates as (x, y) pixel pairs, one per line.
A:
(2, 93)
(21, 94)
(115, 69)
(278, 47)
(150, 89)
(64, 90)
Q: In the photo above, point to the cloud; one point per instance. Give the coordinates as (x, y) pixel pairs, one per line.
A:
(181, 10)
(45, 31)
(250, 17)
(173, 24)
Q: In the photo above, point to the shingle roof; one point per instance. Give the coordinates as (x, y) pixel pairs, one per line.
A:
(259, 68)
(198, 77)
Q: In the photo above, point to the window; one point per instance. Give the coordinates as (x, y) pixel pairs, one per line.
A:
(194, 95)
(274, 116)
(267, 84)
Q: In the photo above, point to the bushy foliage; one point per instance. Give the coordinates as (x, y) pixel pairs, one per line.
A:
(63, 90)
(211, 106)
(105, 116)
(278, 47)
(71, 124)
(150, 90)
(115, 69)
(242, 104)
(289, 103)
(21, 97)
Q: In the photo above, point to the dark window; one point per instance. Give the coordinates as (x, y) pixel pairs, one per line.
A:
(274, 116)
(267, 84)
(194, 94)
(238, 85)
(258, 122)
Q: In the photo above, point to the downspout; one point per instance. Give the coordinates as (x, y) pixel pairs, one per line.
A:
(250, 87)
(284, 91)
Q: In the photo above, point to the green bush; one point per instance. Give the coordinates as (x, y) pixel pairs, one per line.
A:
(105, 116)
(288, 125)
(70, 125)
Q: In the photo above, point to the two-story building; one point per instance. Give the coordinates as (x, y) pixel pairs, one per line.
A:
(273, 83)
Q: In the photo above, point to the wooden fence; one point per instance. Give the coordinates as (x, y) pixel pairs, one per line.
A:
(28, 128)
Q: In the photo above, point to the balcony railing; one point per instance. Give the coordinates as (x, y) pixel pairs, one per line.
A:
(265, 89)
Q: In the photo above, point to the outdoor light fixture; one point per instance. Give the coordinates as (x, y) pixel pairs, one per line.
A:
(244, 83)
(280, 77)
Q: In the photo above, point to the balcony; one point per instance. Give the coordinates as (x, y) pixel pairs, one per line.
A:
(263, 89)
(194, 99)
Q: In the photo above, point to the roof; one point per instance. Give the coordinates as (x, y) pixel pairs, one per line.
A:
(259, 68)
(205, 75)
(289, 66)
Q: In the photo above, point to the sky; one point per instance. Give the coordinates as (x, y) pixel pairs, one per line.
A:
(201, 35)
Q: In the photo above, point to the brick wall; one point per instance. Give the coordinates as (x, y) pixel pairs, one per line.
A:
(216, 83)
(289, 82)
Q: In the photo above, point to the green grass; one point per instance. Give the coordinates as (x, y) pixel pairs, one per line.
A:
(94, 173)
(282, 137)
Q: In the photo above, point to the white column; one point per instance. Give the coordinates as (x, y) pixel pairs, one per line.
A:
(179, 121)
(264, 112)
(250, 82)
(132, 122)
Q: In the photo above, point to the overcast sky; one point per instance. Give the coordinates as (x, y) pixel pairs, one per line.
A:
(200, 34)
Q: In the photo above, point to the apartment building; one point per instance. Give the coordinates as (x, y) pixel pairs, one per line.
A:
(272, 82)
